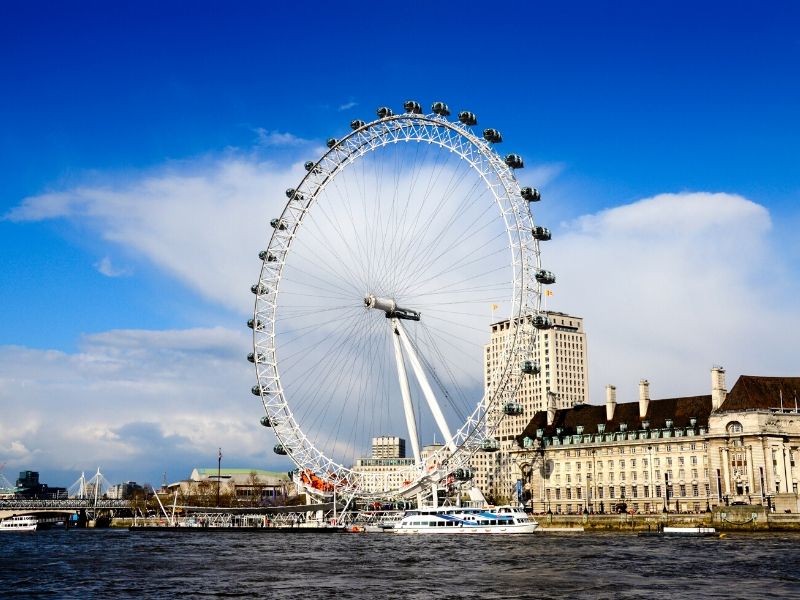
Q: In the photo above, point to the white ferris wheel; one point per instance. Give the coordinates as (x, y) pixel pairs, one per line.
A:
(391, 259)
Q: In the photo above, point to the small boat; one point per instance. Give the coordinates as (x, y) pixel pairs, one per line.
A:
(19, 523)
(681, 532)
(450, 519)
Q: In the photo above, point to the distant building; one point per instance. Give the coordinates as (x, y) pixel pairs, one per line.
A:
(124, 491)
(245, 485)
(688, 454)
(388, 446)
(389, 473)
(28, 486)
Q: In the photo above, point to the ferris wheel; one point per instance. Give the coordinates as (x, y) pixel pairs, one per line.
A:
(392, 258)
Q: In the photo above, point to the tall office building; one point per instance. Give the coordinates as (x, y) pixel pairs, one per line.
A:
(562, 380)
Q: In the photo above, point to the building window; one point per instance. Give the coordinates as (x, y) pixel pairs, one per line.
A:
(734, 427)
(683, 490)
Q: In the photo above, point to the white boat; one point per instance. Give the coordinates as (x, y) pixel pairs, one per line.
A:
(19, 523)
(690, 531)
(451, 519)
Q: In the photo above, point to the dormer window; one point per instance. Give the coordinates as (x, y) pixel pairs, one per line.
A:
(539, 433)
(734, 427)
(579, 429)
(623, 427)
(645, 424)
(669, 423)
(692, 421)
(558, 430)
(601, 427)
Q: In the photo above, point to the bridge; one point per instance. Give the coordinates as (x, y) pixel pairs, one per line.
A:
(64, 506)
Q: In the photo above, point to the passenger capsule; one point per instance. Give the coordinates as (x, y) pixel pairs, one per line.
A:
(255, 325)
(278, 224)
(384, 111)
(279, 449)
(463, 474)
(258, 289)
(514, 161)
(256, 390)
(267, 256)
(441, 109)
(490, 445)
(290, 192)
(492, 136)
(413, 107)
(512, 409)
(357, 124)
(530, 367)
(253, 357)
(541, 233)
(530, 194)
(545, 277)
(541, 322)
(311, 167)
(266, 421)
(331, 142)
(467, 118)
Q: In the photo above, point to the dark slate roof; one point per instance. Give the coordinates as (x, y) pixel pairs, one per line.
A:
(680, 410)
(754, 392)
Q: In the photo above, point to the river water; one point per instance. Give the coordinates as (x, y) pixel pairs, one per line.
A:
(120, 564)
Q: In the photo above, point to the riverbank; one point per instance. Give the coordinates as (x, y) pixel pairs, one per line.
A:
(725, 518)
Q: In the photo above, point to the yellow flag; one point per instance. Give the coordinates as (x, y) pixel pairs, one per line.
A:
(548, 292)
(495, 306)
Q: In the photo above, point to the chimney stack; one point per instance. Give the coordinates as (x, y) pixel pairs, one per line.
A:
(644, 397)
(551, 408)
(718, 391)
(611, 401)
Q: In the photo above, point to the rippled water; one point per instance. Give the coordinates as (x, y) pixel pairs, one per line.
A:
(119, 564)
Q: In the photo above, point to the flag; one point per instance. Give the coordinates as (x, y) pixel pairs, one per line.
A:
(548, 292)
(495, 306)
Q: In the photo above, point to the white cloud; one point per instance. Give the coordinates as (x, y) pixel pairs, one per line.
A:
(137, 402)
(671, 285)
(347, 106)
(105, 267)
(204, 223)
(276, 138)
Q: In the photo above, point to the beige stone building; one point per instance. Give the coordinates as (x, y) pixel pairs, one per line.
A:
(687, 454)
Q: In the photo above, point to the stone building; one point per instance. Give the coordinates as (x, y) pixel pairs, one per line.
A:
(243, 485)
(687, 454)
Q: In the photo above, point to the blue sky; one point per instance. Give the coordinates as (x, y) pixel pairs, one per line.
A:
(632, 112)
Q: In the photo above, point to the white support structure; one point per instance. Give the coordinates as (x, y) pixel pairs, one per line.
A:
(438, 416)
(411, 422)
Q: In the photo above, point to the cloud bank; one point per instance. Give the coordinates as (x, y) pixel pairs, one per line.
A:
(673, 284)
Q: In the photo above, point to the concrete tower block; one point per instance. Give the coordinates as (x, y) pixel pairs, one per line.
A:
(718, 391)
(644, 397)
(611, 401)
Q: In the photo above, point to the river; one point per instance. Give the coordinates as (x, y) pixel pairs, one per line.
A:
(118, 564)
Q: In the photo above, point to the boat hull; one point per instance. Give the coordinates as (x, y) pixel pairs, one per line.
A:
(467, 530)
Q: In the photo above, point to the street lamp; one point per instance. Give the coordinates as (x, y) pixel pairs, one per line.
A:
(219, 470)
(588, 492)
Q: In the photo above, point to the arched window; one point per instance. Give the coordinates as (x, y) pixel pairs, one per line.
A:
(734, 427)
